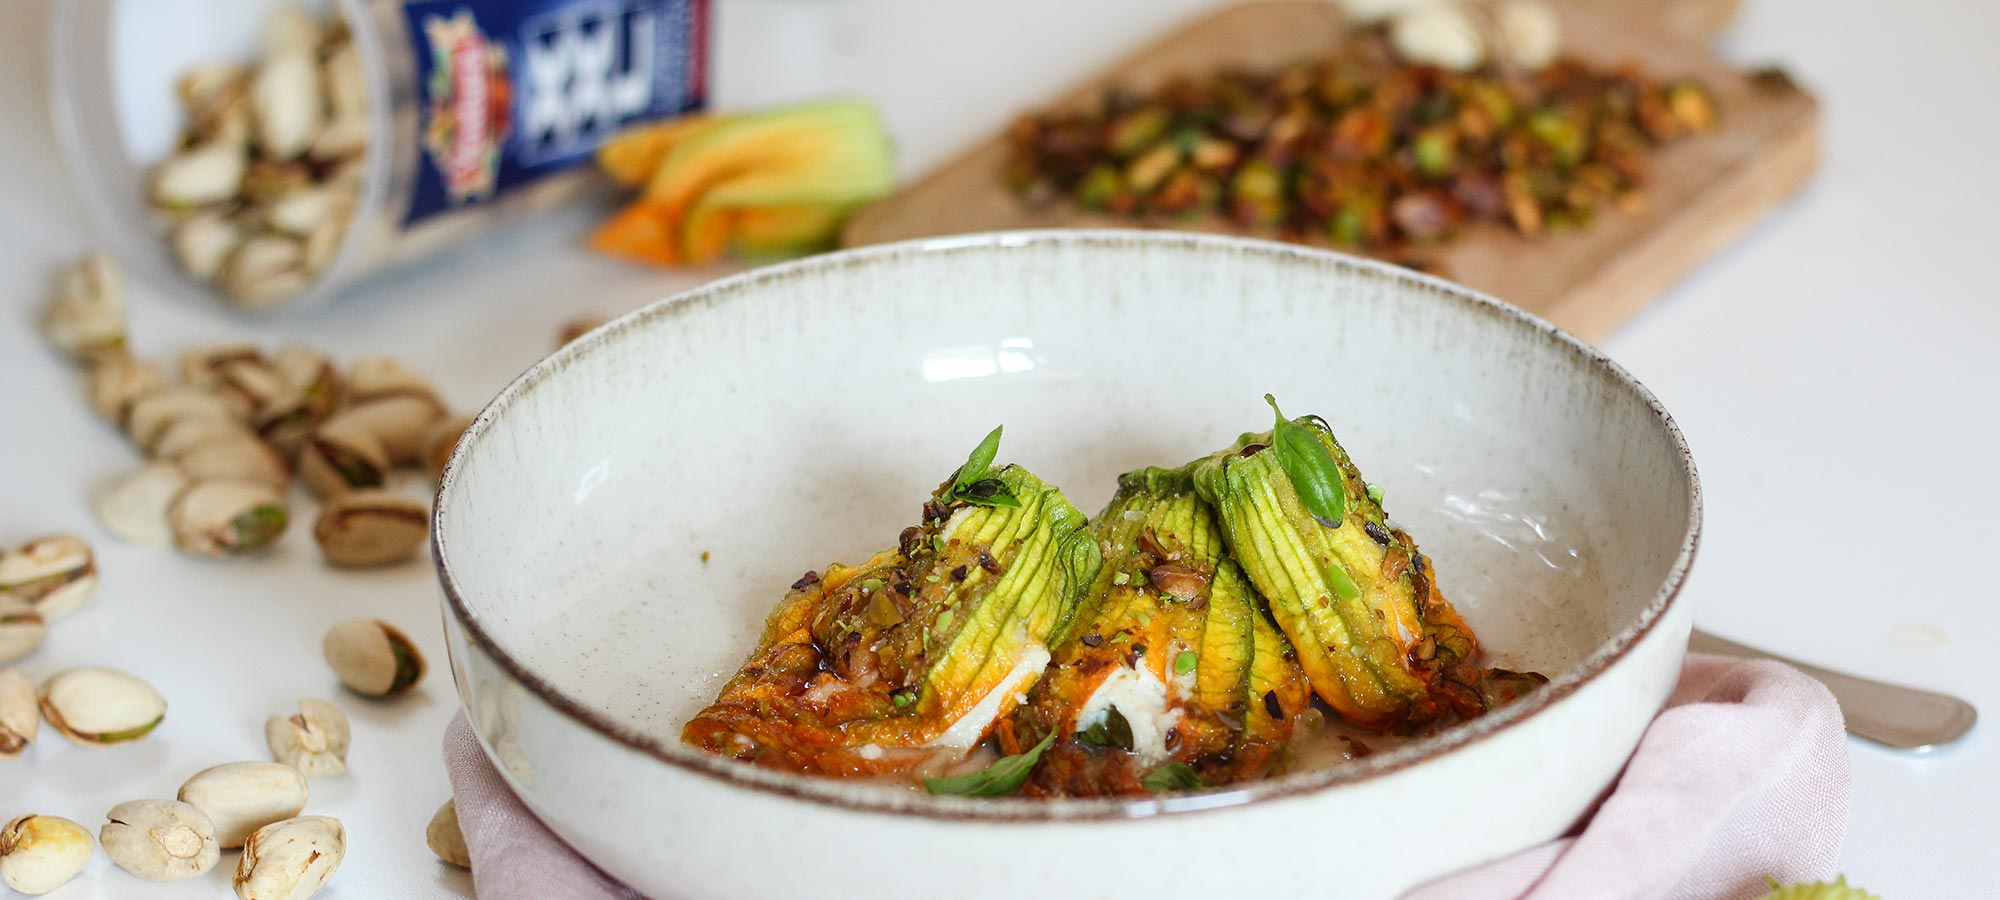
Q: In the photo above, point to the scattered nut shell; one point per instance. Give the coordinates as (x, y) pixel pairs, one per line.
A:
(285, 104)
(86, 317)
(242, 797)
(441, 440)
(290, 860)
(20, 719)
(134, 508)
(203, 240)
(1529, 33)
(98, 707)
(117, 381)
(160, 840)
(22, 628)
(341, 457)
(313, 741)
(236, 458)
(373, 658)
(41, 853)
(54, 574)
(398, 421)
(445, 838)
(371, 527)
(1443, 36)
(227, 518)
(151, 415)
(198, 176)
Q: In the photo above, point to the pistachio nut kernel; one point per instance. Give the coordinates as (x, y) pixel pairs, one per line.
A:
(373, 658)
(445, 838)
(398, 421)
(227, 518)
(20, 721)
(116, 382)
(150, 416)
(96, 707)
(41, 853)
(236, 458)
(160, 840)
(241, 797)
(341, 457)
(441, 440)
(290, 860)
(314, 740)
(134, 507)
(86, 317)
(371, 527)
(22, 628)
(54, 574)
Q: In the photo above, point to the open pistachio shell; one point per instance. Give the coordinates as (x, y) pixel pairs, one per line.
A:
(54, 574)
(342, 456)
(20, 714)
(86, 317)
(134, 507)
(95, 707)
(227, 518)
(41, 853)
(314, 740)
(242, 797)
(235, 458)
(22, 628)
(150, 416)
(160, 840)
(373, 658)
(445, 837)
(371, 527)
(116, 382)
(290, 860)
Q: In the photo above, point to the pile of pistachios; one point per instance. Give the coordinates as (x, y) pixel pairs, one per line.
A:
(225, 440)
(268, 169)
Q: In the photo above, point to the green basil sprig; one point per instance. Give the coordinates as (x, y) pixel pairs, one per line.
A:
(1315, 476)
(1174, 776)
(1113, 731)
(971, 483)
(997, 780)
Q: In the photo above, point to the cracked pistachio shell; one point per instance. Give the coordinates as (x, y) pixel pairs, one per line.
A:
(150, 416)
(160, 840)
(134, 507)
(41, 853)
(375, 377)
(399, 422)
(371, 527)
(445, 837)
(116, 382)
(202, 368)
(55, 574)
(227, 518)
(314, 740)
(311, 374)
(98, 707)
(441, 440)
(373, 658)
(203, 240)
(242, 797)
(236, 458)
(22, 628)
(20, 719)
(264, 270)
(290, 860)
(86, 317)
(186, 434)
(200, 175)
(341, 456)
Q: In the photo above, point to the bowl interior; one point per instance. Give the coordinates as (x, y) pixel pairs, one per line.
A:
(621, 520)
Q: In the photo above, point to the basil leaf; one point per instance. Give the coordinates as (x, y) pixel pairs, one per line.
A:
(1174, 776)
(1314, 474)
(977, 463)
(1113, 731)
(997, 780)
(989, 492)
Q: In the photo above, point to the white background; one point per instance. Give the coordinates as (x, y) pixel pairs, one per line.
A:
(1835, 372)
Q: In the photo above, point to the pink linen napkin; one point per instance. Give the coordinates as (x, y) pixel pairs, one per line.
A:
(1743, 775)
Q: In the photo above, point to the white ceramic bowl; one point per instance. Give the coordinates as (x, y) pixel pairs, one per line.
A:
(617, 523)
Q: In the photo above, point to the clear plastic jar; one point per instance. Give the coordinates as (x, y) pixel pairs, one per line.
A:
(114, 64)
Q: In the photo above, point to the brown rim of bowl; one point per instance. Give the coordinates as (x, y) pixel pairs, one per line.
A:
(842, 794)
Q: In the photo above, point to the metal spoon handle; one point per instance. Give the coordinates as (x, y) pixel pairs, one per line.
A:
(1897, 717)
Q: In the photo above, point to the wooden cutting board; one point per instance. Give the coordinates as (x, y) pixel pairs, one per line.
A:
(1706, 190)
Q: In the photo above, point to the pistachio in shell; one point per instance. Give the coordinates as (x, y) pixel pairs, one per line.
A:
(227, 518)
(134, 506)
(375, 377)
(398, 421)
(150, 416)
(236, 458)
(373, 658)
(341, 456)
(314, 740)
(241, 797)
(447, 840)
(312, 377)
(86, 317)
(116, 382)
(203, 240)
(41, 853)
(20, 719)
(22, 628)
(55, 574)
(441, 440)
(184, 434)
(371, 527)
(160, 840)
(290, 860)
(96, 707)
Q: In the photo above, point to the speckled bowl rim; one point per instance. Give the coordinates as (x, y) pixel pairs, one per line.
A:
(868, 798)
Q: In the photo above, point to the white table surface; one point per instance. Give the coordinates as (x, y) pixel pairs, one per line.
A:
(1834, 371)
